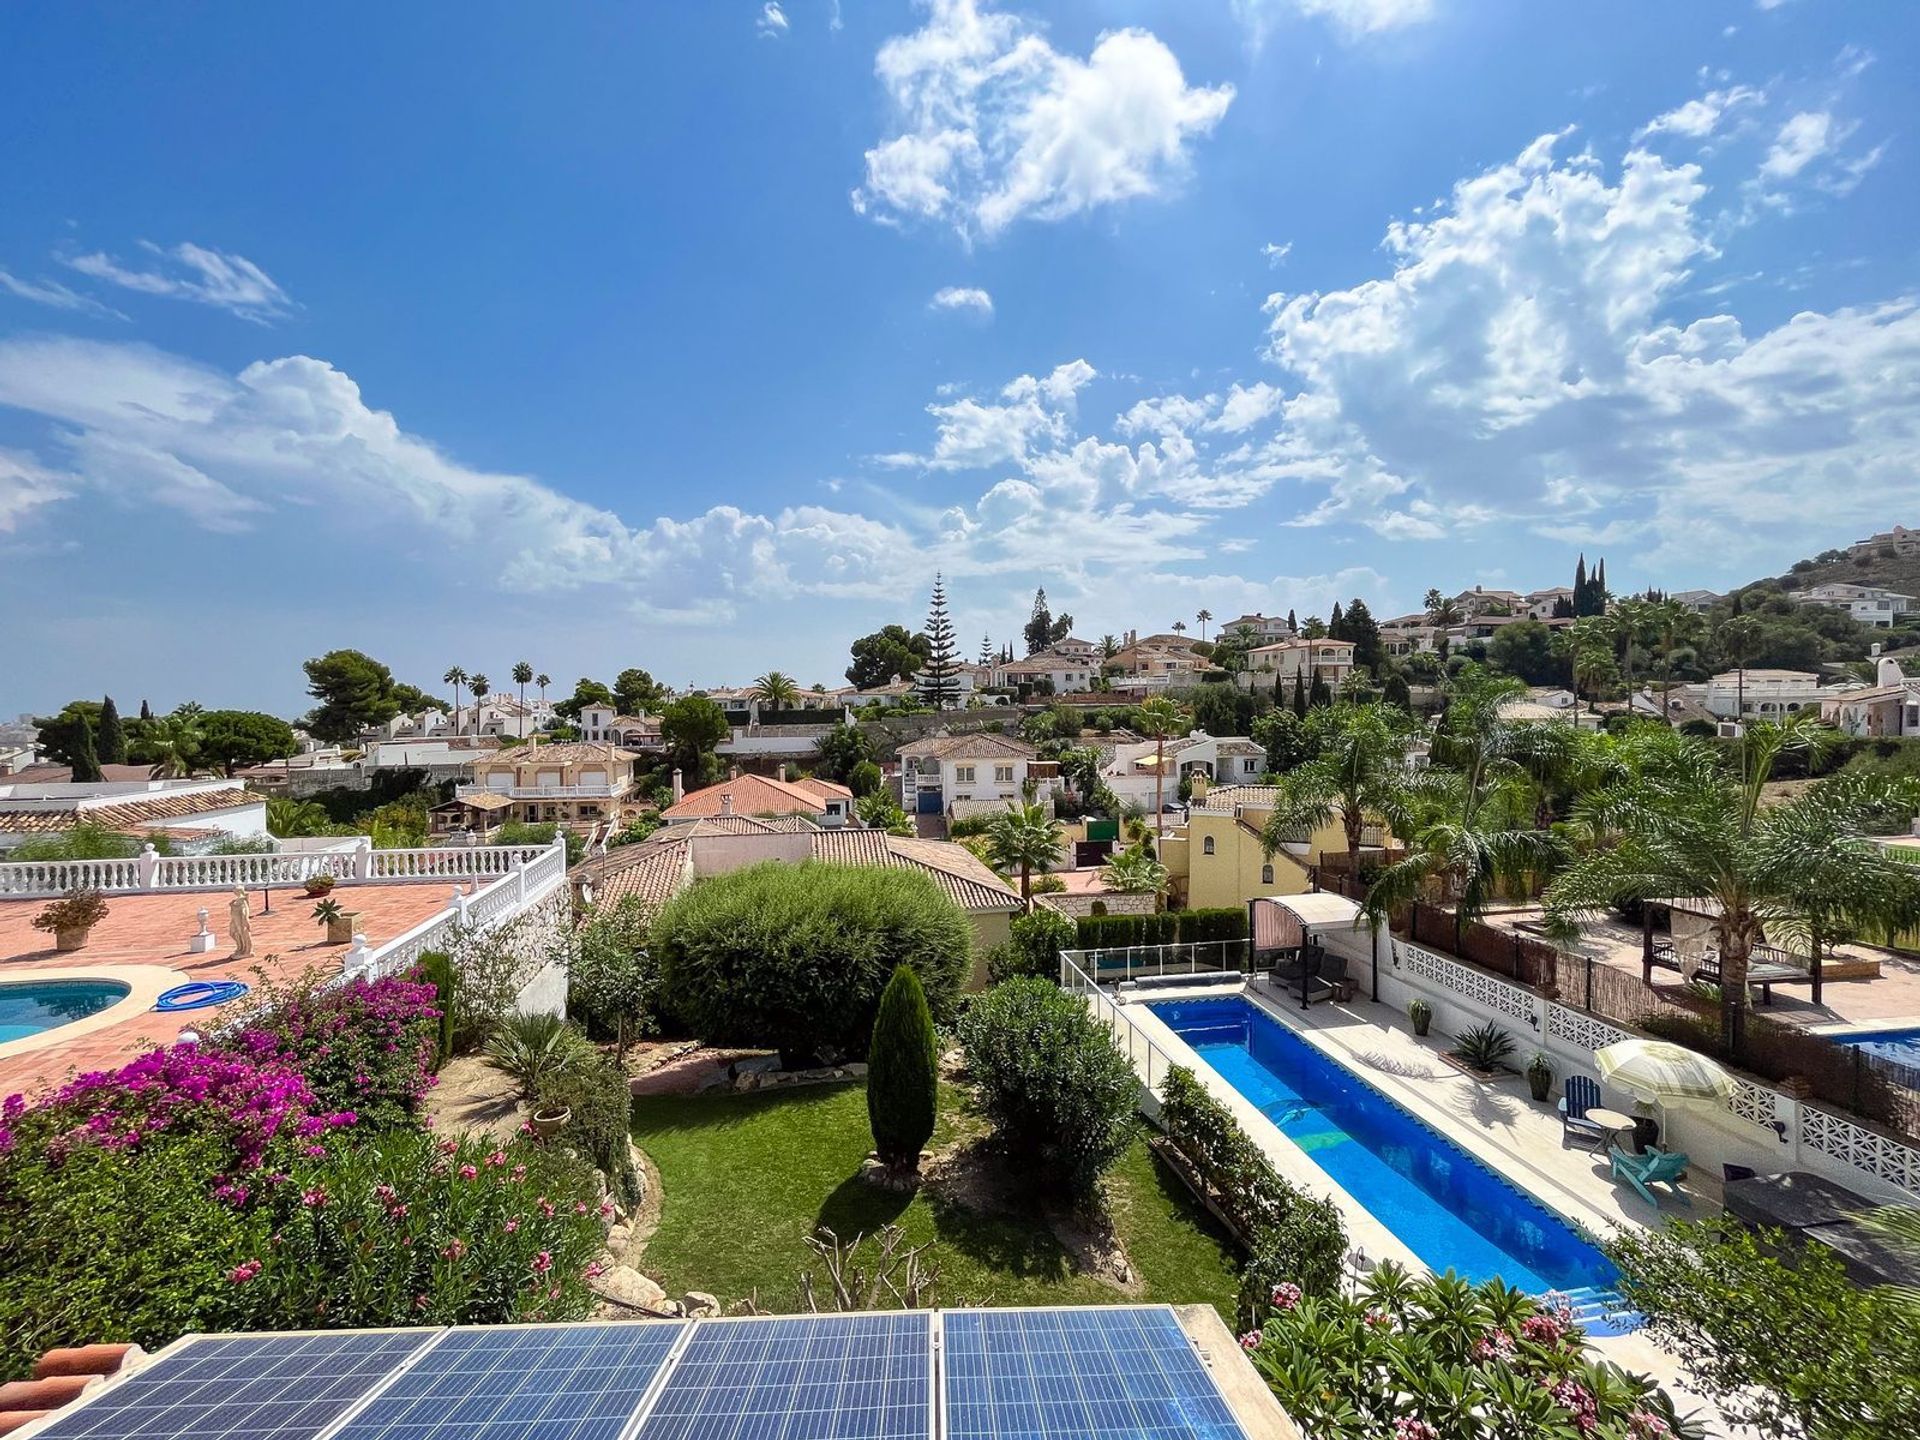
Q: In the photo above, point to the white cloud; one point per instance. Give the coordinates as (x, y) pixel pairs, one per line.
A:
(25, 486)
(995, 125)
(834, 19)
(1802, 140)
(1276, 255)
(1355, 18)
(56, 295)
(773, 22)
(1247, 406)
(195, 273)
(957, 297)
(1700, 117)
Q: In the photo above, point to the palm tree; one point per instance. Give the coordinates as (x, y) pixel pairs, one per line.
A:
(543, 680)
(1674, 627)
(523, 676)
(456, 677)
(169, 744)
(1026, 839)
(1590, 657)
(478, 687)
(1157, 719)
(1739, 637)
(1134, 872)
(1179, 627)
(1679, 824)
(1441, 611)
(1362, 771)
(1203, 616)
(775, 690)
(1471, 814)
(287, 816)
(1629, 623)
(1109, 647)
(878, 810)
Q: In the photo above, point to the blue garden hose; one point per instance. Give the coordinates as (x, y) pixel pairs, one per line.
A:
(197, 994)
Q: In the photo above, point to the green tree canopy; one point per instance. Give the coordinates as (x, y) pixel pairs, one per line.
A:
(110, 737)
(636, 692)
(840, 751)
(585, 692)
(64, 735)
(233, 738)
(888, 653)
(1025, 838)
(1526, 651)
(354, 691)
(694, 728)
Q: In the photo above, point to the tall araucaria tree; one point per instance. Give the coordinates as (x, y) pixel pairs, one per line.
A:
(939, 682)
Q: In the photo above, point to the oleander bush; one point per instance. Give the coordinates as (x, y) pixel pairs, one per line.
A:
(1436, 1357)
(1292, 1237)
(794, 957)
(1060, 1095)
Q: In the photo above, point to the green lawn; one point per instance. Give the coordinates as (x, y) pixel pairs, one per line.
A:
(746, 1178)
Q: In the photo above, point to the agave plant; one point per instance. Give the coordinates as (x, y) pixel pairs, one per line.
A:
(1484, 1047)
(534, 1048)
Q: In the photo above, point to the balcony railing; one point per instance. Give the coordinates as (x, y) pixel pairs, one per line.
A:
(545, 792)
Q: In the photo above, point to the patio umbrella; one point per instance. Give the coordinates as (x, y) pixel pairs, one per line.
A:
(1660, 1071)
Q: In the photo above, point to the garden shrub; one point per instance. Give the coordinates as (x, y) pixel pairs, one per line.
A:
(903, 1073)
(1294, 1237)
(367, 1046)
(1038, 939)
(1168, 927)
(1060, 1096)
(535, 1047)
(612, 981)
(1434, 1357)
(598, 1093)
(795, 956)
(436, 969)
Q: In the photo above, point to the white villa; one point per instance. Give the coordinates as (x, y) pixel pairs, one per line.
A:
(1330, 660)
(1869, 604)
(981, 773)
(186, 811)
(1762, 695)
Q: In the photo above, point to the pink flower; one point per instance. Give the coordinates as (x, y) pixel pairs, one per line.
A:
(546, 1206)
(1408, 1427)
(496, 1159)
(385, 1193)
(1378, 1320)
(1286, 1295)
(455, 1248)
(316, 1152)
(1495, 1345)
(606, 1209)
(579, 1207)
(512, 1225)
(242, 1273)
(526, 1127)
(1250, 1340)
(543, 1262)
(1541, 1329)
(1645, 1425)
(314, 1199)
(467, 1172)
(593, 1271)
(1570, 1395)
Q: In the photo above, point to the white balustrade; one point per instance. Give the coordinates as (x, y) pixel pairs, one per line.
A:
(149, 872)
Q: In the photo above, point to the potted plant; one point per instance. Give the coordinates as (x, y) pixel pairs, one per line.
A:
(1421, 1013)
(317, 886)
(338, 920)
(539, 1051)
(69, 918)
(1540, 1075)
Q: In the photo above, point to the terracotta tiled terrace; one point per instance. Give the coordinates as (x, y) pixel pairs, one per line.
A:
(143, 943)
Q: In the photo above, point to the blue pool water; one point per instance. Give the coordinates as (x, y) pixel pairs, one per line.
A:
(1443, 1204)
(1900, 1046)
(31, 1006)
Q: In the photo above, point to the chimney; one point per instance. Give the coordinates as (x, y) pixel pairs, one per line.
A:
(1888, 671)
(782, 772)
(726, 802)
(733, 772)
(679, 786)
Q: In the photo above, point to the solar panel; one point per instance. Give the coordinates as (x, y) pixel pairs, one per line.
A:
(1061, 1374)
(247, 1387)
(814, 1377)
(539, 1382)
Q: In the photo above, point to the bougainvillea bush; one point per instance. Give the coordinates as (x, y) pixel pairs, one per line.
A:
(1437, 1358)
(368, 1046)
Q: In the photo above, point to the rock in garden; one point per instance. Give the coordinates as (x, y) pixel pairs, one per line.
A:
(700, 1304)
(630, 1287)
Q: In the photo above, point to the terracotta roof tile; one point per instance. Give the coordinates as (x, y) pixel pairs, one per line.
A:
(757, 795)
(134, 813)
(980, 744)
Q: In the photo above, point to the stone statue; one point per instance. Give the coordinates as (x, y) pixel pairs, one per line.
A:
(240, 922)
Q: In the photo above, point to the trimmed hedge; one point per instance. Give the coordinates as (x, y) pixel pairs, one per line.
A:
(794, 957)
(1169, 927)
(1294, 1237)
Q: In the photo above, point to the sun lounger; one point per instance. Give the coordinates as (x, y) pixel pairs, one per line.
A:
(1656, 1167)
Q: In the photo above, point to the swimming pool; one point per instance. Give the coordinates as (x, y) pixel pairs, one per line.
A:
(1900, 1046)
(28, 1007)
(1443, 1204)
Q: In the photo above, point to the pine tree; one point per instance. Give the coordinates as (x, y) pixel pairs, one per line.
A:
(986, 650)
(86, 760)
(903, 1075)
(938, 682)
(1600, 587)
(1039, 631)
(1362, 630)
(110, 745)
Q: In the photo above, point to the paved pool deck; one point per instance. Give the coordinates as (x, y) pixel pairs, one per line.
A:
(143, 944)
(1496, 1121)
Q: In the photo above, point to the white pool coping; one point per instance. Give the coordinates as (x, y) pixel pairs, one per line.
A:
(145, 984)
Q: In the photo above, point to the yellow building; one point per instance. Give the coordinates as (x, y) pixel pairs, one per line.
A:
(1216, 858)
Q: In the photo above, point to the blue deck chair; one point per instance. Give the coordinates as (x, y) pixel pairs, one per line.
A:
(1656, 1167)
(1582, 1094)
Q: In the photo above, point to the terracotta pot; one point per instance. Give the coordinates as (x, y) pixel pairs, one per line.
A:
(551, 1122)
(71, 939)
(317, 889)
(340, 929)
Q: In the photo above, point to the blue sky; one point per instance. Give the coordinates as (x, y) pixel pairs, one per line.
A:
(698, 336)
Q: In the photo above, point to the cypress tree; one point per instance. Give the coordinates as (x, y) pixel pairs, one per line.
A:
(146, 711)
(86, 761)
(110, 745)
(1292, 624)
(1319, 695)
(1600, 587)
(1580, 586)
(1300, 695)
(938, 681)
(1337, 624)
(903, 1074)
